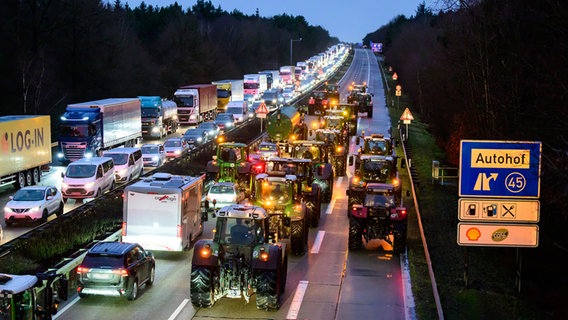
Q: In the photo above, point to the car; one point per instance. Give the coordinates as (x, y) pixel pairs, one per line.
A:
(1, 233)
(268, 150)
(288, 93)
(195, 137)
(115, 269)
(213, 129)
(33, 203)
(225, 121)
(175, 147)
(153, 154)
(223, 194)
(258, 163)
(273, 98)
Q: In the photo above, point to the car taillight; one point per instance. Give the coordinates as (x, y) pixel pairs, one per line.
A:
(82, 270)
(121, 272)
(123, 229)
(179, 231)
(263, 254)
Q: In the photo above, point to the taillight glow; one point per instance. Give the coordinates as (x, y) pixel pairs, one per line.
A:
(82, 270)
(178, 231)
(121, 272)
(263, 255)
(205, 251)
(123, 229)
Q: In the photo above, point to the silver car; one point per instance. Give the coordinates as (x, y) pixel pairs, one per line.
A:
(33, 203)
(153, 154)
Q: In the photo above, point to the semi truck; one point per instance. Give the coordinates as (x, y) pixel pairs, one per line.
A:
(159, 117)
(255, 84)
(227, 91)
(287, 74)
(163, 212)
(25, 142)
(272, 78)
(196, 103)
(88, 128)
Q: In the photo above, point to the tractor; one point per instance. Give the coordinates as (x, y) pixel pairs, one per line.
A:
(337, 143)
(277, 192)
(241, 260)
(318, 152)
(230, 164)
(310, 191)
(377, 215)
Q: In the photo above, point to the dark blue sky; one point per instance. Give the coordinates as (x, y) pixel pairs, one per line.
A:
(348, 20)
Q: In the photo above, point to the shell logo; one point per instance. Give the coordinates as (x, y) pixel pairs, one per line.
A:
(500, 235)
(473, 234)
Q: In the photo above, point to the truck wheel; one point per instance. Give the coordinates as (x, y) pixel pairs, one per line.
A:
(132, 292)
(21, 181)
(29, 178)
(36, 175)
(355, 234)
(267, 294)
(298, 239)
(201, 287)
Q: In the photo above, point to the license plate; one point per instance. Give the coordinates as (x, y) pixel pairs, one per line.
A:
(101, 276)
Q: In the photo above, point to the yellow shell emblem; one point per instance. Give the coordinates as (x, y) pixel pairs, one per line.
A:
(473, 234)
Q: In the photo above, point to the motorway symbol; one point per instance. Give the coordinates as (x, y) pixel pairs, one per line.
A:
(502, 169)
(499, 210)
(497, 234)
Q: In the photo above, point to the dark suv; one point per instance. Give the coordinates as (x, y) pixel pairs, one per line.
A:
(115, 269)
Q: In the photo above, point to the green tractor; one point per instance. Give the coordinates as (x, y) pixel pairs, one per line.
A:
(318, 152)
(310, 191)
(376, 144)
(230, 164)
(343, 118)
(337, 144)
(240, 261)
(277, 193)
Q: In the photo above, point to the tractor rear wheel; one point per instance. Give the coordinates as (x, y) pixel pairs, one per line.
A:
(355, 234)
(201, 287)
(298, 238)
(267, 293)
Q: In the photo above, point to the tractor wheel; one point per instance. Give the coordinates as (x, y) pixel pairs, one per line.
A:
(399, 237)
(201, 287)
(355, 234)
(316, 207)
(267, 294)
(298, 238)
(326, 197)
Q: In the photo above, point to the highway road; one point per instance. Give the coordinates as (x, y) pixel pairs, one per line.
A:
(328, 282)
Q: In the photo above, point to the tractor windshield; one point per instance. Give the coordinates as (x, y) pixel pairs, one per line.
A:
(379, 200)
(375, 170)
(237, 231)
(377, 147)
(276, 192)
(307, 152)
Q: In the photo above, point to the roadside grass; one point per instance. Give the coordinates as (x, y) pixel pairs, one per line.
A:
(490, 292)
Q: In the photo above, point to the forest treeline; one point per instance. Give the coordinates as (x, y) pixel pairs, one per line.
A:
(491, 70)
(56, 52)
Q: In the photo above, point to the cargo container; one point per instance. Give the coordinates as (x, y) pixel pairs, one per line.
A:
(25, 143)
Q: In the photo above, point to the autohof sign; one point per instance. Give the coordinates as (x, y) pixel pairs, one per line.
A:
(500, 169)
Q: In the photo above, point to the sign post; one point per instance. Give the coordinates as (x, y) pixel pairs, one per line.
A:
(261, 113)
(406, 118)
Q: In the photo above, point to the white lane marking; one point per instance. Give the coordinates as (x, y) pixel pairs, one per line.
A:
(339, 180)
(178, 309)
(317, 242)
(330, 206)
(408, 298)
(67, 306)
(297, 300)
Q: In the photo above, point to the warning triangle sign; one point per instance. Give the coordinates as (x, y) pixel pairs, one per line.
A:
(262, 108)
(406, 115)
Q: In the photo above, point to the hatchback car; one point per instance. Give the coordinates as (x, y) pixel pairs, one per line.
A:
(195, 137)
(115, 269)
(223, 194)
(153, 154)
(268, 150)
(33, 203)
(212, 129)
(175, 147)
(225, 121)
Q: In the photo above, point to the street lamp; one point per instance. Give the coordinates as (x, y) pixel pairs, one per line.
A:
(292, 41)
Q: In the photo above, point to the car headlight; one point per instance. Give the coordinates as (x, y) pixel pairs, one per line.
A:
(229, 124)
(155, 129)
(64, 185)
(122, 172)
(199, 139)
(89, 185)
(7, 210)
(177, 152)
(88, 155)
(155, 158)
(35, 209)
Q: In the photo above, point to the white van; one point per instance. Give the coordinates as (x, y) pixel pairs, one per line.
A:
(128, 163)
(88, 178)
(239, 110)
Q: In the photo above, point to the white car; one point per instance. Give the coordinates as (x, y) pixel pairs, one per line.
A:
(223, 194)
(33, 203)
(153, 154)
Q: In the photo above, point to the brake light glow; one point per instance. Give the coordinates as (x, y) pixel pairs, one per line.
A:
(123, 229)
(121, 272)
(82, 270)
(205, 251)
(263, 255)
(178, 231)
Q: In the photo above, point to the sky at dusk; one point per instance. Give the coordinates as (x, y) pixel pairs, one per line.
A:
(348, 20)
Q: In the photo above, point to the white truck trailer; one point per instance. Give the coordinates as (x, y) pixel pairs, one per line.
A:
(163, 212)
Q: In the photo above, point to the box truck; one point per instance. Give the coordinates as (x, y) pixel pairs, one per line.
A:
(196, 103)
(159, 117)
(88, 128)
(227, 91)
(287, 74)
(163, 212)
(25, 142)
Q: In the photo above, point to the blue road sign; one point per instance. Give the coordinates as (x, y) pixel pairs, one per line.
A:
(508, 169)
